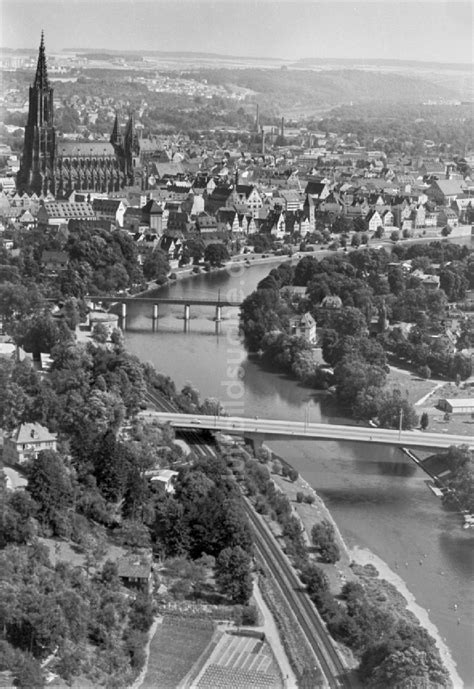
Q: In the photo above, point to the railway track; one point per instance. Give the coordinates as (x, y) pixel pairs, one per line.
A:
(160, 402)
(307, 617)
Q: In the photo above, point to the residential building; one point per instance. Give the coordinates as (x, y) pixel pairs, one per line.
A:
(110, 209)
(54, 261)
(135, 573)
(26, 442)
(303, 326)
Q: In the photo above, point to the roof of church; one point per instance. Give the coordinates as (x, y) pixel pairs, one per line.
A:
(85, 149)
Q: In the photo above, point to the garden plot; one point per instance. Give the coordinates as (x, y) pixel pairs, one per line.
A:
(240, 662)
(177, 644)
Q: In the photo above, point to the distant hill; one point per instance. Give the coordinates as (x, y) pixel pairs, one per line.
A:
(382, 63)
(307, 90)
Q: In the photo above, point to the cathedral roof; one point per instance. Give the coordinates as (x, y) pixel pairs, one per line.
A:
(85, 149)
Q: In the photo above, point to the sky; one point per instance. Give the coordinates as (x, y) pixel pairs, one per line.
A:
(435, 30)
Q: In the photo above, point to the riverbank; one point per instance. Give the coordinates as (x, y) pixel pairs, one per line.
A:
(363, 557)
(344, 570)
(379, 499)
(241, 261)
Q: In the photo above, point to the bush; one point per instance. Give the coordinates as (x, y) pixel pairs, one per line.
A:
(261, 505)
(425, 372)
(330, 553)
(173, 276)
(315, 580)
(309, 498)
(300, 496)
(292, 474)
(249, 615)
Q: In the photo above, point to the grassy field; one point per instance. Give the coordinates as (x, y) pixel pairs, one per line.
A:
(176, 646)
(409, 384)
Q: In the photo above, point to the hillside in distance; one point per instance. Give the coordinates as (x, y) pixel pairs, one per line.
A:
(293, 92)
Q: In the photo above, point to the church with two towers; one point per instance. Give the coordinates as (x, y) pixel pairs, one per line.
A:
(52, 165)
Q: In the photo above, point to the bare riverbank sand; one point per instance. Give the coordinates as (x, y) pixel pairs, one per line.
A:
(309, 514)
(363, 556)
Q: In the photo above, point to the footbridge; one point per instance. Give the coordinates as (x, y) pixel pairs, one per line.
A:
(259, 430)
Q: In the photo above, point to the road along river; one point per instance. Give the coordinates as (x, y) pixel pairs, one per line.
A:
(377, 496)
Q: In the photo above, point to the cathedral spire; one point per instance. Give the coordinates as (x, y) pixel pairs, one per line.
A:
(130, 137)
(41, 79)
(115, 137)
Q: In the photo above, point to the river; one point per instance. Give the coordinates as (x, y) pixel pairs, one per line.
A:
(378, 498)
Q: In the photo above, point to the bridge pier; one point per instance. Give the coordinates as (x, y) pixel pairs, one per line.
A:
(123, 315)
(154, 319)
(255, 440)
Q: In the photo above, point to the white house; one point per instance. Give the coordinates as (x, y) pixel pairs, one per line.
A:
(26, 442)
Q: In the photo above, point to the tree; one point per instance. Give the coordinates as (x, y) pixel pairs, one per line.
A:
(424, 421)
(216, 254)
(37, 334)
(233, 574)
(112, 463)
(100, 333)
(425, 372)
(396, 280)
(330, 553)
(360, 224)
(260, 313)
(460, 367)
(50, 487)
(323, 537)
(29, 674)
(156, 265)
(352, 375)
(316, 582)
(18, 301)
(395, 410)
(355, 241)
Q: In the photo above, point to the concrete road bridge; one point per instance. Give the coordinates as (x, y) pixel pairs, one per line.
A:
(155, 302)
(258, 430)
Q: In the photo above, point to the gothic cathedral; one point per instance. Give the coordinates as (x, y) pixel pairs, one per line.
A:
(49, 165)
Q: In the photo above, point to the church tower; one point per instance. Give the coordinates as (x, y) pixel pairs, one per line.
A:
(127, 149)
(36, 172)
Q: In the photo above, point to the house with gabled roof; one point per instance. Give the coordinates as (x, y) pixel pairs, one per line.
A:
(374, 220)
(152, 215)
(206, 223)
(303, 326)
(445, 191)
(110, 209)
(135, 572)
(26, 442)
(447, 216)
(249, 196)
(54, 261)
